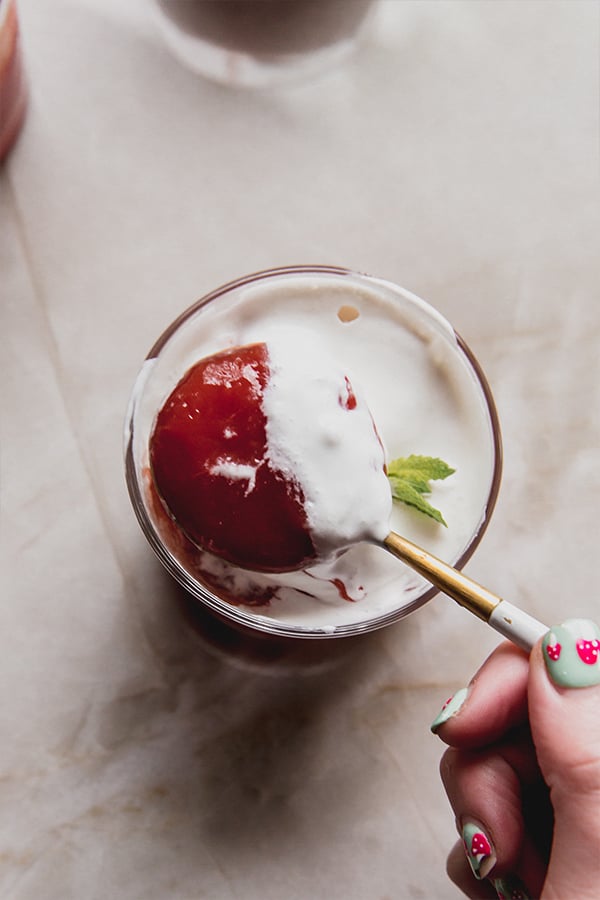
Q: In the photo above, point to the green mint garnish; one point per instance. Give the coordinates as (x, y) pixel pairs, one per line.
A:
(410, 476)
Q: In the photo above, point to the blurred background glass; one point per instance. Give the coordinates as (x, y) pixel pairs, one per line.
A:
(256, 43)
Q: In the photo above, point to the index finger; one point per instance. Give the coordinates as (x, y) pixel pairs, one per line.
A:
(493, 704)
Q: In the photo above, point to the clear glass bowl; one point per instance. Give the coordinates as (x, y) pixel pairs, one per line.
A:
(262, 43)
(428, 396)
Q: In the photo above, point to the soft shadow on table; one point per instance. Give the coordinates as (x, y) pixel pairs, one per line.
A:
(261, 730)
(268, 655)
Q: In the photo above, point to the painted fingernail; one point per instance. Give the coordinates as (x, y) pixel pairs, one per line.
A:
(479, 850)
(572, 653)
(510, 888)
(449, 709)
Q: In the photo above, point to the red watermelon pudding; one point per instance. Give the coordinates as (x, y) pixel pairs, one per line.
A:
(252, 455)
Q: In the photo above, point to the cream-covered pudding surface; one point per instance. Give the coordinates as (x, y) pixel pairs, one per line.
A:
(404, 363)
(321, 432)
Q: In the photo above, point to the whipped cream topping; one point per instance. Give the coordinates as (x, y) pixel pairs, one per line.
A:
(320, 434)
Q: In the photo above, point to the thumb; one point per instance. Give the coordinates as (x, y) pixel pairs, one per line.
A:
(564, 712)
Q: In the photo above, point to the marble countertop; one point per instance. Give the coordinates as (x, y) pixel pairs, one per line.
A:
(146, 755)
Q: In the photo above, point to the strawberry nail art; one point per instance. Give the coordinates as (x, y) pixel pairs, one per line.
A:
(553, 648)
(450, 708)
(588, 651)
(480, 853)
(572, 653)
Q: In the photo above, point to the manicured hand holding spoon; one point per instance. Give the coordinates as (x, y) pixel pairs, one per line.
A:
(522, 771)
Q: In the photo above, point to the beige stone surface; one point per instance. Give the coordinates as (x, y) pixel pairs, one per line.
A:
(457, 154)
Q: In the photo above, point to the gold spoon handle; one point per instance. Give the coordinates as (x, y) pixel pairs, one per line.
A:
(504, 617)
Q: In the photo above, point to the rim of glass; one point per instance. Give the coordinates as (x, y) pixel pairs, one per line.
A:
(236, 615)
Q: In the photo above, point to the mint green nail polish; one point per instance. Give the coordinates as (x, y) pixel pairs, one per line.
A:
(479, 850)
(572, 653)
(510, 888)
(450, 708)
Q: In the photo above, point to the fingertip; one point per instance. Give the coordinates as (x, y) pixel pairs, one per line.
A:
(451, 708)
(571, 653)
(564, 688)
(494, 701)
(460, 874)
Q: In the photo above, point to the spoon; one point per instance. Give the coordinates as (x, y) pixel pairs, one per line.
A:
(507, 619)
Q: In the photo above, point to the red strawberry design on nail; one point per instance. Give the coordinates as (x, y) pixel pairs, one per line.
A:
(480, 846)
(553, 648)
(588, 651)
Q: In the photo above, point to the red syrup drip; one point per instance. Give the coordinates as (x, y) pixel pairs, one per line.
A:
(348, 400)
(209, 466)
(343, 590)
(340, 587)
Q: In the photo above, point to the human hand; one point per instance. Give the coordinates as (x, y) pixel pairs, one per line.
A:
(522, 771)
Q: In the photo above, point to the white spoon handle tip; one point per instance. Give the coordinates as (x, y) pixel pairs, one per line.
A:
(507, 619)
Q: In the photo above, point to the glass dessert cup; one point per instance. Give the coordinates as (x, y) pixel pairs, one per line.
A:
(428, 396)
(262, 43)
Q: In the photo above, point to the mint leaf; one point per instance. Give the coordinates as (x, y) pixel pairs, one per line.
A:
(409, 478)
